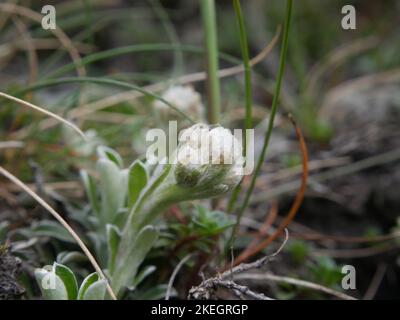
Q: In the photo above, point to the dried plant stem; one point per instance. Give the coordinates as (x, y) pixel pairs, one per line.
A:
(355, 253)
(174, 273)
(374, 161)
(207, 287)
(293, 281)
(347, 239)
(58, 217)
(11, 144)
(46, 112)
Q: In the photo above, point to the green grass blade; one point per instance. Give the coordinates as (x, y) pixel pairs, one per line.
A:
(246, 64)
(214, 98)
(282, 62)
(249, 100)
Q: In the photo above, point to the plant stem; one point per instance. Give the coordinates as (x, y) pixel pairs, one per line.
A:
(214, 99)
(274, 107)
(246, 64)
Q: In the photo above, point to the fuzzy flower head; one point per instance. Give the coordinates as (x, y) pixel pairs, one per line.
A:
(185, 98)
(209, 159)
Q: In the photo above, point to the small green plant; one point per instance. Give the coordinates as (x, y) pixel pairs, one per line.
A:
(325, 271)
(126, 202)
(207, 223)
(204, 230)
(299, 251)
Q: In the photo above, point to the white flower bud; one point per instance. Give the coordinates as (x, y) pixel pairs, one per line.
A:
(185, 98)
(209, 159)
